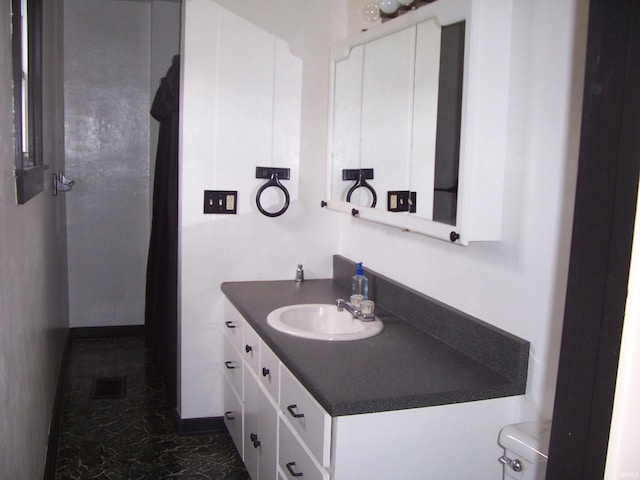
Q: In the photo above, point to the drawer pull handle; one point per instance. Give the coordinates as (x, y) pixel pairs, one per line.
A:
(229, 415)
(293, 473)
(229, 324)
(248, 348)
(254, 439)
(230, 365)
(292, 411)
(265, 371)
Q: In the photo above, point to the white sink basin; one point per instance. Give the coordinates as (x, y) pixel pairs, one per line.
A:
(321, 322)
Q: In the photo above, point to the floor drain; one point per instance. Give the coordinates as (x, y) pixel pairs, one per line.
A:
(108, 387)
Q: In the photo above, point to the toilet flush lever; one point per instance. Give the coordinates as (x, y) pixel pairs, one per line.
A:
(516, 465)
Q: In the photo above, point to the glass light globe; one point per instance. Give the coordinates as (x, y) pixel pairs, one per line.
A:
(371, 12)
(388, 6)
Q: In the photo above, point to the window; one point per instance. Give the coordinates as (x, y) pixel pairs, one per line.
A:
(27, 97)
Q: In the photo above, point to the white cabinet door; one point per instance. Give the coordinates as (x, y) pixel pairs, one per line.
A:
(269, 372)
(294, 460)
(233, 324)
(268, 428)
(260, 432)
(252, 440)
(233, 414)
(233, 365)
(251, 348)
(306, 416)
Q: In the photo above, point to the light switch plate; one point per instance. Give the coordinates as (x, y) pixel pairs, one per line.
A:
(401, 201)
(220, 201)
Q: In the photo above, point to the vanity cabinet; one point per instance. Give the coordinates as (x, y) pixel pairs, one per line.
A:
(283, 433)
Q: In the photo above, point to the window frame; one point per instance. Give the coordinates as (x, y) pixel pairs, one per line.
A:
(29, 167)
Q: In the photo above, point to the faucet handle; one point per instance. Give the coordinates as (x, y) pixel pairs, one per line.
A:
(367, 307)
(356, 299)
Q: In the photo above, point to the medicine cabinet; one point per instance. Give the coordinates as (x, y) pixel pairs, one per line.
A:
(417, 123)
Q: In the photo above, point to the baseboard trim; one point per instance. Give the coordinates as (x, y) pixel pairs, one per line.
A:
(107, 332)
(56, 415)
(200, 426)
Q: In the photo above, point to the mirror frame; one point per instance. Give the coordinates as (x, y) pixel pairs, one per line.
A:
(484, 119)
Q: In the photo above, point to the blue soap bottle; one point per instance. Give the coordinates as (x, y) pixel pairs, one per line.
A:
(360, 283)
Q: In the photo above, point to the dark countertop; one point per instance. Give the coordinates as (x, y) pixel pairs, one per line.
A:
(402, 367)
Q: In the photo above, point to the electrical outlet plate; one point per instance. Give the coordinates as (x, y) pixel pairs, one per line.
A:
(220, 201)
(401, 201)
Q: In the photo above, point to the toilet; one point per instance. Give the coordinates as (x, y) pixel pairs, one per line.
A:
(526, 448)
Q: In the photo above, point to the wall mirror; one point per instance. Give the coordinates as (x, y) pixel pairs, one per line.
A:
(403, 118)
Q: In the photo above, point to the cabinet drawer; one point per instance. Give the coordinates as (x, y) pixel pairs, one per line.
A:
(251, 348)
(306, 416)
(269, 372)
(232, 366)
(233, 415)
(234, 325)
(294, 459)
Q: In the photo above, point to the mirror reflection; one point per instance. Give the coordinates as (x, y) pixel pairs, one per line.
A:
(397, 116)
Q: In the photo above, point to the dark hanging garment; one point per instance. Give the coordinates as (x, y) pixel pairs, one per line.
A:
(161, 306)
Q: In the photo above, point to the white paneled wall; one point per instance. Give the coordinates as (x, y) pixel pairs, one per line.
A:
(248, 101)
(517, 284)
(231, 114)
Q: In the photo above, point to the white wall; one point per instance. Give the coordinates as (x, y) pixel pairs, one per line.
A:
(247, 101)
(33, 293)
(112, 49)
(622, 456)
(517, 284)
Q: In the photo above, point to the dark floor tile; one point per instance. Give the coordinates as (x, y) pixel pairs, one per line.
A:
(132, 437)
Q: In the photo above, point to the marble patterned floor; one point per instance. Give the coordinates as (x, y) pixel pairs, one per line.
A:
(131, 437)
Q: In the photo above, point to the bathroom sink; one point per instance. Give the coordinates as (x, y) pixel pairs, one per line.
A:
(321, 322)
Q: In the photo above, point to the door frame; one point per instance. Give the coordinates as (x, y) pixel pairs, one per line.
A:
(605, 204)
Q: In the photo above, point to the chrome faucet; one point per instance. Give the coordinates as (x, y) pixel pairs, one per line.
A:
(299, 274)
(355, 311)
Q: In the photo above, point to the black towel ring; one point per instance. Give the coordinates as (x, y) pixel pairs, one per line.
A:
(273, 182)
(361, 182)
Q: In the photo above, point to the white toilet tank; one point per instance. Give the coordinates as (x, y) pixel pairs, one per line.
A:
(526, 448)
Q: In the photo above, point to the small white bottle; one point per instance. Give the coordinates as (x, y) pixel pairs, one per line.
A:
(360, 283)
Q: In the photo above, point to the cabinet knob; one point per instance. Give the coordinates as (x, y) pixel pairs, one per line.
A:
(293, 473)
(229, 324)
(265, 371)
(292, 410)
(254, 439)
(248, 348)
(229, 415)
(230, 365)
